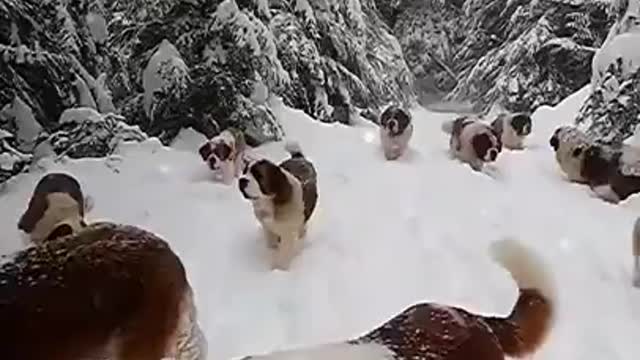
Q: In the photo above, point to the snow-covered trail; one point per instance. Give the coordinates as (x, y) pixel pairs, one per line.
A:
(385, 235)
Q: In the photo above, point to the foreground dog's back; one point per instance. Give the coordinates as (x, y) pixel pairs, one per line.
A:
(56, 208)
(108, 290)
(440, 332)
(300, 167)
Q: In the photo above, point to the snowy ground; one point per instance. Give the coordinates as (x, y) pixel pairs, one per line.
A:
(385, 235)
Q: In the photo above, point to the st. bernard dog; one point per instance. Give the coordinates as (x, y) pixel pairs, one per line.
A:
(107, 292)
(223, 154)
(613, 174)
(441, 332)
(284, 197)
(568, 144)
(635, 250)
(396, 130)
(472, 141)
(512, 129)
(56, 208)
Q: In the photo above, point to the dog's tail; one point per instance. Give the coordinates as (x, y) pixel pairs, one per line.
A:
(447, 126)
(293, 148)
(531, 319)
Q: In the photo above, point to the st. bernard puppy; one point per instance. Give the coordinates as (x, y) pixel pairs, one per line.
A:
(512, 129)
(472, 141)
(223, 154)
(635, 251)
(107, 292)
(613, 174)
(441, 332)
(284, 197)
(56, 208)
(568, 143)
(396, 130)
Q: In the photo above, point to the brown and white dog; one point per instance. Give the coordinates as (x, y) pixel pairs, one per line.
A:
(223, 154)
(613, 174)
(108, 291)
(56, 208)
(284, 197)
(568, 144)
(472, 141)
(512, 129)
(440, 332)
(396, 130)
(635, 251)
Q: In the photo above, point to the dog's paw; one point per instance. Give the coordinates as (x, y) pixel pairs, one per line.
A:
(280, 264)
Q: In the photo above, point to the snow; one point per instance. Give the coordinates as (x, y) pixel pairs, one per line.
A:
(152, 80)
(625, 47)
(435, 220)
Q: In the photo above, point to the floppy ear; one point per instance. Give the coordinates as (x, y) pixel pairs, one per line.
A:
(60, 231)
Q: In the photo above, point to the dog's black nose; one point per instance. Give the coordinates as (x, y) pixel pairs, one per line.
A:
(554, 143)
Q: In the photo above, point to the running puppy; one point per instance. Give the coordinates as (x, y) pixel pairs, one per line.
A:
(512, 129)
(396, 129)
(56, 208)
(472, 141)
(106, 292)
(223, 154)
(635, 250)
(440, 332)
(568, 144)
(283, 197)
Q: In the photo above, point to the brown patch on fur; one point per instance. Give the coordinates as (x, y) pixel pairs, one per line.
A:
(272, 181)
(305, 172)
(205, 151)
(108, 290)
(38, 204)
(222, 151)
(437, 332)
(482, 143)
(600, 168)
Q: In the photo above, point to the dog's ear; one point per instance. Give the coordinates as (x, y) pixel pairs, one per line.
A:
(60, 231)
(205, 151)
(274, 182)
(554, 142)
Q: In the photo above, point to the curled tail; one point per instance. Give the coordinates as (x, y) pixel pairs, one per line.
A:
(447, 126)
(293, 148)
(526, 328)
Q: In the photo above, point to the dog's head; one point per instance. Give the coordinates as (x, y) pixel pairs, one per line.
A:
(221, 152)
(395, 120)
(486, 145)
(57, 198)
(521, 124)
(264, 179)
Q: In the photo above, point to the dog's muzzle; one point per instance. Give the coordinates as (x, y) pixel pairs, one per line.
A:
(554, 142)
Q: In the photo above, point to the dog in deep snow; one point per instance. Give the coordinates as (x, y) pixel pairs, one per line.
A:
(108, 291)
(56, 208)
(284, 197)
(439, 332)
(568, 143)
(512, 129)
(472, 141)
(396, 129)
(224, 154)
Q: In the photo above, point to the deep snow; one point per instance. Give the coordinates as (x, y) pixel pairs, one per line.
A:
(385, 235)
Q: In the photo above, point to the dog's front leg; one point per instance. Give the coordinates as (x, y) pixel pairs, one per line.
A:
(285, 251)
(272, 238)
(476, 164)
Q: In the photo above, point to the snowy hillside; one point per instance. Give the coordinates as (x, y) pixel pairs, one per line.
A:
(385, 235)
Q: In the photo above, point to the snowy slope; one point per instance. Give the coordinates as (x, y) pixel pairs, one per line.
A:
(385, 235)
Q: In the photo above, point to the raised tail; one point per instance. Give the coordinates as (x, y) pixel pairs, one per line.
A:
(447, 126)
(532, 317)
(293, 148)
